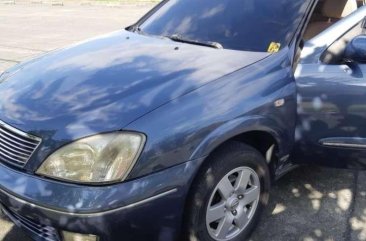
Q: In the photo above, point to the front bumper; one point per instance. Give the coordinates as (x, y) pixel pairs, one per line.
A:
(149, 208)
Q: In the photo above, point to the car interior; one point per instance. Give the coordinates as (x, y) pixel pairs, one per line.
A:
(328, 12)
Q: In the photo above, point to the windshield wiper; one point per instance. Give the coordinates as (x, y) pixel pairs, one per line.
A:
(178, 38)
(135, 29)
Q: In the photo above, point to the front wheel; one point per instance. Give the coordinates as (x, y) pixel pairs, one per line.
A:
(228, 195)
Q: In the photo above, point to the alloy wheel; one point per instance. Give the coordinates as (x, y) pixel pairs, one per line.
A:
(233, 203)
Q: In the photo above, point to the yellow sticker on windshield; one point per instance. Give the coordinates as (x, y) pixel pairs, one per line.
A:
(274, 47)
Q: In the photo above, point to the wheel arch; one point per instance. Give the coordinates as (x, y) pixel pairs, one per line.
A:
(261, 140)
(257, 131)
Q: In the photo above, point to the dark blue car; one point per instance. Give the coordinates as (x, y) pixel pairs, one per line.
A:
(175, 127)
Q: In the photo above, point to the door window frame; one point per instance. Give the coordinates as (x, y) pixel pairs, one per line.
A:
(315, 47)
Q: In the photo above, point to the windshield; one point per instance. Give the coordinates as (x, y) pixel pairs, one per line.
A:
(250, 25)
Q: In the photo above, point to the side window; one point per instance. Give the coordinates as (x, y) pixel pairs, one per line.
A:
(335, 53)
(328, 12)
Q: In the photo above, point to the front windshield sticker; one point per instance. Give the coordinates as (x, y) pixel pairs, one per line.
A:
(274, 47)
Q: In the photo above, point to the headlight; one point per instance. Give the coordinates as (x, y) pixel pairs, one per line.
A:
(96, 159)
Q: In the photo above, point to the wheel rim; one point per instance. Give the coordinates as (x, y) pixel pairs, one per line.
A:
(233, 203)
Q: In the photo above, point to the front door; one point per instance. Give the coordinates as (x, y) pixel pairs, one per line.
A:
(331, 127)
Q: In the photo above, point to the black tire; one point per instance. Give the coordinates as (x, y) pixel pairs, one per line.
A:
(231, 156)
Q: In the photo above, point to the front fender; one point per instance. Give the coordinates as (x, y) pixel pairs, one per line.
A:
(193, 125)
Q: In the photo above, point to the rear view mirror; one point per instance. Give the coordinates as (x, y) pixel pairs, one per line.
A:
(356, 50)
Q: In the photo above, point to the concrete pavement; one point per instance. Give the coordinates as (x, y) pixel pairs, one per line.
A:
(309, 204)
(30, 30)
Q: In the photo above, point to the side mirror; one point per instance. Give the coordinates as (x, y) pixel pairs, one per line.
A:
(356, 50)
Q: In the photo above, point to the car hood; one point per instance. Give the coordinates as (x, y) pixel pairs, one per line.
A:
(105, 83)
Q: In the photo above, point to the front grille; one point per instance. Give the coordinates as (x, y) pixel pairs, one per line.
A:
(16, 147)
(36, 230)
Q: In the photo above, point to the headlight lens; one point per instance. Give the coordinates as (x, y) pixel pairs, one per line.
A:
(95, 159)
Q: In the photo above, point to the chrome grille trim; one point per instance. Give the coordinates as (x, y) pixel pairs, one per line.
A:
(8, 133)
(16, 147)
(13, 161)
(2, 150)
(22, 151)
(3, 137)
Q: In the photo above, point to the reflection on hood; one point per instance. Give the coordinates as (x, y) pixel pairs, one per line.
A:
(105, 83)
